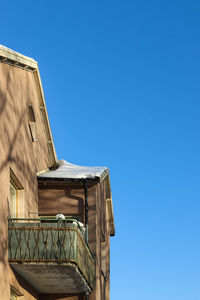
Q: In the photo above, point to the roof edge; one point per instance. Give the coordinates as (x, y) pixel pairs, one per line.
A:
(17, 58)
(45, 117)
(91, 174)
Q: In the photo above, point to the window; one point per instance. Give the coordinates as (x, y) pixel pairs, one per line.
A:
(15, 203)
(15, 294)
(32, 124)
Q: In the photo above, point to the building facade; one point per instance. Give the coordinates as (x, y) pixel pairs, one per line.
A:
(56, 218)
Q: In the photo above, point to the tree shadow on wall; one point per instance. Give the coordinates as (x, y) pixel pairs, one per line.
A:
(15, 139)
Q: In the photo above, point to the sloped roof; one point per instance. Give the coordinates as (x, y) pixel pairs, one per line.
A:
(67, 170)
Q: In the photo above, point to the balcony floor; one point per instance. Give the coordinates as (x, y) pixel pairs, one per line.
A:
(52, 277)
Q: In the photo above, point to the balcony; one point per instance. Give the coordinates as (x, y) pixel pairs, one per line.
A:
(51, 255)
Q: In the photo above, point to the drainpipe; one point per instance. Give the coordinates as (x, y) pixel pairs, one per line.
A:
(86, 211)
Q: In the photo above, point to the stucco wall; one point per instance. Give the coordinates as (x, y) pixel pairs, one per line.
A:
(18, 152)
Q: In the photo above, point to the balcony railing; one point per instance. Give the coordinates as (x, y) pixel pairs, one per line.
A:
(43, 242)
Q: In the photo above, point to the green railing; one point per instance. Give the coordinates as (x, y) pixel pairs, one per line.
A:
(47, 240)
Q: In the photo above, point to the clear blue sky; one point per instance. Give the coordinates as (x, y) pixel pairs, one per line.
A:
(122, 86)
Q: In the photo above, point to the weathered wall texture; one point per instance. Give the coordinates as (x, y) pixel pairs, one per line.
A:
(18, 152)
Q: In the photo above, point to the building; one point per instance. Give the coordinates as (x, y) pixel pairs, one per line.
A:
(56, 218)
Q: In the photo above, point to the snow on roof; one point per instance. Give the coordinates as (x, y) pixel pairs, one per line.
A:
(67, 170)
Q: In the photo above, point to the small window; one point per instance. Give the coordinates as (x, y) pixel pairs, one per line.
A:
(32, 124)
(15, 294)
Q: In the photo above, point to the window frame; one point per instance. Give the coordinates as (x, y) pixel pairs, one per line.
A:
(32, 123)
(11, 205)
(16, 185)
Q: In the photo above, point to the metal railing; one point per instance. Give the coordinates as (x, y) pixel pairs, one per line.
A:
(47, 240)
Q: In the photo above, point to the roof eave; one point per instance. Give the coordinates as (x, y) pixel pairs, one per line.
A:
(9, 55)
(59, 179)
(43, 176)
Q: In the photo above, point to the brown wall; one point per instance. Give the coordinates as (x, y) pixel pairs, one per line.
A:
(68, 199)
(18, 152)
(102, 239)
(61, 198)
